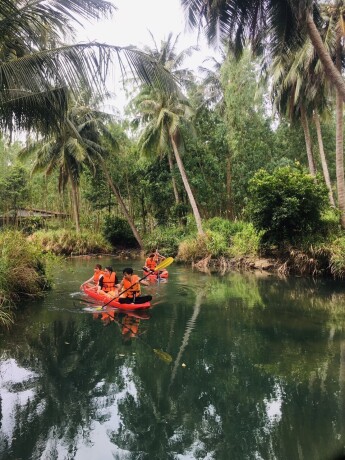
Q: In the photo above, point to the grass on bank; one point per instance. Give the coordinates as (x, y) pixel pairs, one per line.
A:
(22, 272)
(68, 242)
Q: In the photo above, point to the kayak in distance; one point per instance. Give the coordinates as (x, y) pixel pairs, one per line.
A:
(163, 275)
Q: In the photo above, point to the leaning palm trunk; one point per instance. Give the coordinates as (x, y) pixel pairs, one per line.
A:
(187, 186)
(123, 207)
(173, 181)
(331, 71)
(308, 144)
(75, 203)
(339, 157)
(323, 159)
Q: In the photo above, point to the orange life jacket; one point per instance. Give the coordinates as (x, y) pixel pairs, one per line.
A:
(135, 289)
(97, 275)
(150, 263)
(109, 282)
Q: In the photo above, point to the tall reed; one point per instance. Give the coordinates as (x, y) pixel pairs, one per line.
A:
(22, 272)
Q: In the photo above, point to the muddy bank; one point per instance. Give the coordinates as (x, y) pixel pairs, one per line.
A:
(292, 262)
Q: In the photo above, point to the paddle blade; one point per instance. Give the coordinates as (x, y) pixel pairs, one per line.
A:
(164, 356)
(165, 263)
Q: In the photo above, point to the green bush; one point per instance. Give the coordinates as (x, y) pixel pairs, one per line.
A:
(118, 232)
(337, 258)
(225, 227)
(286, 204)
(165, 239)
(246, 242)
(22, 272)
(31, 225)
(196, 248)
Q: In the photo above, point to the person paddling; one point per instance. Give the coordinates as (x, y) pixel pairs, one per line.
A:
(97, 272)
(151, 263)
(130, 287)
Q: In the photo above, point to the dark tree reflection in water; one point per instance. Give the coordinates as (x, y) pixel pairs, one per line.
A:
(258, 372)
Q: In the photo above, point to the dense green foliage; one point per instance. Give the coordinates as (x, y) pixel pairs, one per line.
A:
(22, 272)
(118, 233)
(286, 203)
(14, 189)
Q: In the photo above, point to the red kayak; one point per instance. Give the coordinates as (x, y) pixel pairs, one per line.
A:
(103, 299)
(155, 276)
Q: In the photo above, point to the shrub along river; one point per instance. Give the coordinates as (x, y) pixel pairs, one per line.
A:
(253, 368)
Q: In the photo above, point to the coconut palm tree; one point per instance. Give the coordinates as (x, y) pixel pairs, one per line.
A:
(163, 117)
(172, 60)
(36, 67)
(78, 145)
(278, 24)
(65, 152)
(315, 90)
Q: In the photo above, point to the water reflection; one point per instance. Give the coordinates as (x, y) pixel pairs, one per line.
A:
(128, 323)
(257, 372)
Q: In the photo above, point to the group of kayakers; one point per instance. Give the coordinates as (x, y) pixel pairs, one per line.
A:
(105, 281)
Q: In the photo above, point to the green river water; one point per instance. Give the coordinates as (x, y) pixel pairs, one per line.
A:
(257, 371)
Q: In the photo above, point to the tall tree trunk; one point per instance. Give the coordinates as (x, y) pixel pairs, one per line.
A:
(75, 203)
(323, 158)
(143, 212)
(308, 143)
(331, 71)
(123, 207)
(187, 186)
(339, 145)
(173, 181)
(229, 203)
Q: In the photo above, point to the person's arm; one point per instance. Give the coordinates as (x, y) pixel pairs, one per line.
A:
(145, 283)
(87, 281)
(119, 286)
(159, 256)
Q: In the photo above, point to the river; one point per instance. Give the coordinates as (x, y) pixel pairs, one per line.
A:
(239, 366)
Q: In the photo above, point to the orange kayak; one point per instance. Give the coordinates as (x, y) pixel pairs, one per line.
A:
(103, 299)
(155, 276)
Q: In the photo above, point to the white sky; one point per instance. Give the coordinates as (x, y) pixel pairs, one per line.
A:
(132, 22)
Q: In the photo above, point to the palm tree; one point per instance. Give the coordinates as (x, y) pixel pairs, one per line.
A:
(65, 152)
(278, 25)
(291, 70)
(172, 60)
(36, 67)
(164, 115)
(78, 145)
(167, 55)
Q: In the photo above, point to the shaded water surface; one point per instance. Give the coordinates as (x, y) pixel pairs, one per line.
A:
(233, 367)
